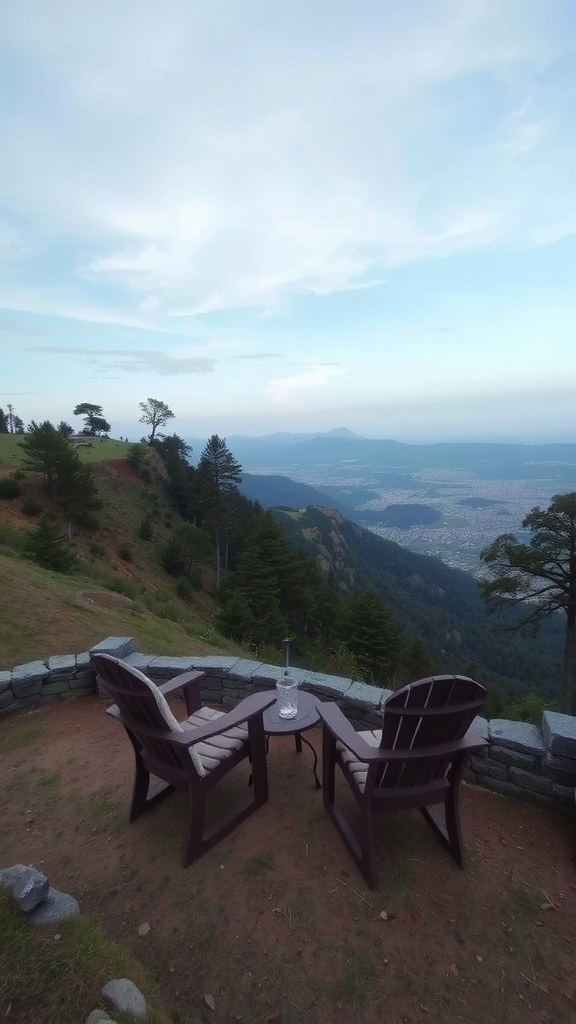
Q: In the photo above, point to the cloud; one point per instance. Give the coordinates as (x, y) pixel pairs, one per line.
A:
(287, 390)
(133, 361)
(209, 156)
(259, 355)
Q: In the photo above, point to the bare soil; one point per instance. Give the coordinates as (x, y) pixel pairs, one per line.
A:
(104, 598)
(277, 916)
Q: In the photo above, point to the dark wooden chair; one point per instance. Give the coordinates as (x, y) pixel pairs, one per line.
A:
(415, 760)
(192, 755)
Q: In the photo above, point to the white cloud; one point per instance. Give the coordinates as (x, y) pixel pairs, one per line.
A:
(288, 390)
(203, 156)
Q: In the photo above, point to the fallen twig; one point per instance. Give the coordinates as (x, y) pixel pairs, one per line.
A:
(535, 983)
(345, 884)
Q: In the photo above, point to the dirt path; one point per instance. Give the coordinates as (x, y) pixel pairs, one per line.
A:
(277, 914)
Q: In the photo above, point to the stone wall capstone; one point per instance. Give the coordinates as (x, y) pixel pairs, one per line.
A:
(521, 760)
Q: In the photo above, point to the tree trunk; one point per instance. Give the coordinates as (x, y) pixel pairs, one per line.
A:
(569, 651)
(217, 559)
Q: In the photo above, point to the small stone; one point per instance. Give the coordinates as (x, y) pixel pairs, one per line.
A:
(384, 915)
(210, 1002)
(56, 907)
(122, 994)
(99, 1017)
(144, 929)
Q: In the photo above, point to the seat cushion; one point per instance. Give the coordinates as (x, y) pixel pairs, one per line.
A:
(358, 769)
(211, 752)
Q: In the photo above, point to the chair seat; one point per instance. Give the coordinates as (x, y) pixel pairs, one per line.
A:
(358, 769)
(214, 751)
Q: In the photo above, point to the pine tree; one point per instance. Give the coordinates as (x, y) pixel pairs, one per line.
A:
(372, 636)
(235, 620)
(217, 478)
(47, 546)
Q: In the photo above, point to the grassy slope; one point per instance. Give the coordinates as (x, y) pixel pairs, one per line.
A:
(11, 455)
(44, 613)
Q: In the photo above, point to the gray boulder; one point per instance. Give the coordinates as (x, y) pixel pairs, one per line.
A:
(29, 886)
(56, 907)
(122, 994)
(30, 890)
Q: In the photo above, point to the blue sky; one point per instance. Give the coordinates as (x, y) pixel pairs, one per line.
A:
(293, 215)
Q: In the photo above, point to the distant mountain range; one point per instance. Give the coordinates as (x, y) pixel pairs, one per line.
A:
(342, 448)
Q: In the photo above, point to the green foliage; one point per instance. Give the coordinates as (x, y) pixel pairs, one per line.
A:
(542, 572)
(145, 531)
(187, 586)
(187, 548)
(31, 508)
(96, 550)
(156, 414)
(527, 709)
(235, 619)
(19, 474)
(125, 553)
(94, 422)
(48, 547)
(136, 456)
(10, 488)
(373, 637)
(12, 539)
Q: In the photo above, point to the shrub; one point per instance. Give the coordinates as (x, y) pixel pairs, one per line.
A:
(187, 585)
(31, 507)
(19, 474)
(145, 531)
(10, 488)
(12, 539)
(136, 455)
(96, 550)
(125, 553)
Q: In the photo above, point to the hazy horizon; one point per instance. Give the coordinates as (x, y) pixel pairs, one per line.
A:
(280, 216)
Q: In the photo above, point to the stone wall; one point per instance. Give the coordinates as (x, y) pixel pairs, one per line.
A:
(535, 764)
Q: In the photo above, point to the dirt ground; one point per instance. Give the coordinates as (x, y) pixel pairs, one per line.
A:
(277, 918)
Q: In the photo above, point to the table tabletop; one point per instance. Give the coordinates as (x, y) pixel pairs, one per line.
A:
(307, 717)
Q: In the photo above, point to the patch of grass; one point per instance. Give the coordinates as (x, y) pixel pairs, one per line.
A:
(44, 980)
(357, 980)
(102, 813)
(47, 782)
(259, 864)
(16, 736)
(523, 905)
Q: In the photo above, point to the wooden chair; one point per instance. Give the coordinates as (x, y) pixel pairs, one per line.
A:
(415, 760)
(192, 755)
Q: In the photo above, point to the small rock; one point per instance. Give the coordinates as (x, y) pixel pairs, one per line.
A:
(56, 907)
(99, 1017)
(384, 915)
(30, 889)
(144, 929)
(210, 1002)
(122, 994)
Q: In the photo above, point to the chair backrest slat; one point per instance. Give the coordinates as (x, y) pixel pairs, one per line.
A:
(137, 707)
(431, 711)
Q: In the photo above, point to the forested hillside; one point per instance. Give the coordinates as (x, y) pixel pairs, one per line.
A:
(148, 522)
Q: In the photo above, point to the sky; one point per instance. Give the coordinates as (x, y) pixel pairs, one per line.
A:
(291, 215)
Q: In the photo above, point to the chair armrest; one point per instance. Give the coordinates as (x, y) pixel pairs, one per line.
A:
(337, 723)
(189, 683)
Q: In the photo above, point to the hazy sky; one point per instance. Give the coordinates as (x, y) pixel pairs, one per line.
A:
(291, 214)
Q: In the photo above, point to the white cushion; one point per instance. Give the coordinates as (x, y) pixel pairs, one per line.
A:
(359, 769)
(212, 751)
(172, 723)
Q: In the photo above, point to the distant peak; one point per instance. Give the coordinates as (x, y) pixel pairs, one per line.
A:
(341, 432)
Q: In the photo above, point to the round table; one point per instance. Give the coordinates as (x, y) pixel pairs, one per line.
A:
(307, 717)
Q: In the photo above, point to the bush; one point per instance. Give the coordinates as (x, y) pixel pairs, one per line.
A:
(188, 585)
(10, 488)
(31, 507)
(96, 550)
(125, 553)
(19, 474)
(136, 456)
(145, 531)
(12, 539)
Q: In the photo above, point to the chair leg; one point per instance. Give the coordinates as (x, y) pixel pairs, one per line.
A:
(367, 851)
(328, 769)
(196, 823)
(141, 785)
(453, 827)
